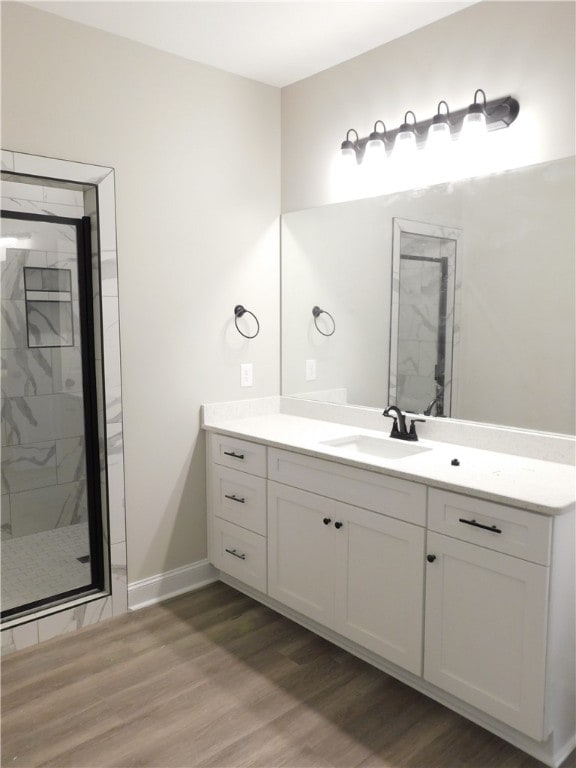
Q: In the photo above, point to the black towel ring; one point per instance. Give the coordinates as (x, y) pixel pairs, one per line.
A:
(316, 312)
(239, 311)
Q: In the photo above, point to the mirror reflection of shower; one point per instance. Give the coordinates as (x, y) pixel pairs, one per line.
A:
(422, 321)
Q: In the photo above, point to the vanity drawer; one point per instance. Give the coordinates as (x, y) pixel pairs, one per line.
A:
(391, 496)
(239, 498)
(238, 454)
(507, 529)
(239, 552)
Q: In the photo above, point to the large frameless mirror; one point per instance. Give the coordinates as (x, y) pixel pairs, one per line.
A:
(506, 344)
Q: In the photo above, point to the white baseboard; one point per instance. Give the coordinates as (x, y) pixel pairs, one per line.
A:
(162, 586)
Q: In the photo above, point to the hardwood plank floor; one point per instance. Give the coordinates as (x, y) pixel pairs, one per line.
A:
(213, 678)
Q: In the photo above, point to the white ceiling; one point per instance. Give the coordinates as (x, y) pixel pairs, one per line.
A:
(274, 42)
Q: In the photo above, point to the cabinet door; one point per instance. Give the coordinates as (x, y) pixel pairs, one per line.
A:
(380, 585)
(486, 618)
(301, 551)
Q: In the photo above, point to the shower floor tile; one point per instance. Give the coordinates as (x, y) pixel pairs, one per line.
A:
(40, 565)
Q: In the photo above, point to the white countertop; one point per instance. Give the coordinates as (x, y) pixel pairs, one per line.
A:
(539, 486)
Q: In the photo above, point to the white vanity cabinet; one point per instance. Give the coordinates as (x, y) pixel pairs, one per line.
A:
(486, 610)
(236, 480)
(352, 570)
(471, 602)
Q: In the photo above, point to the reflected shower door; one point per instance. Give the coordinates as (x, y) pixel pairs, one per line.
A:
(51, 513)
(423, 317)
(421, 373)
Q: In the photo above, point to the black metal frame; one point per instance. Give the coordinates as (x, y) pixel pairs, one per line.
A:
(89, 391)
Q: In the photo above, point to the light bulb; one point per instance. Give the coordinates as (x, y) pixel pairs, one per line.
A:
(472, 144)
(375, 153)
(439, 137)
(374, 168)
(474, 123)
(474, 127)
(345, 175)
(405, 144)
(348, 162)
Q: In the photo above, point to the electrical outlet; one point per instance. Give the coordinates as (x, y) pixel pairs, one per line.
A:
(246, 374)
(310, 370)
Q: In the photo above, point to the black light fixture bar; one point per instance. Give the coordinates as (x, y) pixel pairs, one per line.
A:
(499, 113)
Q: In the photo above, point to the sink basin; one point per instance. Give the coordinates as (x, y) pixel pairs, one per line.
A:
(382, 447)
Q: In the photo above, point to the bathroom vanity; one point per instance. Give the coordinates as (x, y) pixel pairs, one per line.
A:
(448, 566)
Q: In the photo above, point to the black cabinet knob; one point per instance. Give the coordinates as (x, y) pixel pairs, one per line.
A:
(430, 558)
(327, 521)
(338, 525)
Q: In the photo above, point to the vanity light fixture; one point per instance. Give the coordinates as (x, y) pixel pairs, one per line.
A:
(495, 114)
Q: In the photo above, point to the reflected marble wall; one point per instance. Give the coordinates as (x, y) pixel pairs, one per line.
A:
(425, 261)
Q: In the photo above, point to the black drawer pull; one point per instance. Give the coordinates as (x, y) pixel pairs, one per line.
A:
(338, 525)
(236, 554)
(491, 528)
(232, 497)
(234, 455)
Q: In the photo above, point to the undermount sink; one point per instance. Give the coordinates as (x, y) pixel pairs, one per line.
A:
(383, 447)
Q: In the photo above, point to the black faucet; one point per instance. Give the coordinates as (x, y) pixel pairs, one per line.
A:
(399, 428)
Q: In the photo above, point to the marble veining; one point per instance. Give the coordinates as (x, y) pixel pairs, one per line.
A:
(26, 372)
(28, 466)
(14, 334)
(50, 323)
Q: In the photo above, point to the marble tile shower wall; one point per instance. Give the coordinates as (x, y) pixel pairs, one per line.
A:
(43, 466)
(100, 195)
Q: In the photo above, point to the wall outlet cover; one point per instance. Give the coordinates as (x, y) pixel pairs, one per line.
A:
(310, 370)
(246, 374)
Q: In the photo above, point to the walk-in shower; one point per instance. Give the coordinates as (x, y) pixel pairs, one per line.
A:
(54, 500)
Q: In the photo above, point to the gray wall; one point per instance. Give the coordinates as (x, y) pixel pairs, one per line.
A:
(197, 190)
(525, 49)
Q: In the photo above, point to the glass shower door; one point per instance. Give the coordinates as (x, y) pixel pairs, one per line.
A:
(51, 533)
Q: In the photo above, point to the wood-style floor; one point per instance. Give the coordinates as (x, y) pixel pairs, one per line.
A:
(213, 678)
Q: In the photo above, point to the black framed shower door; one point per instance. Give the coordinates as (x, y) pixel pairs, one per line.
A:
(53, 542)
